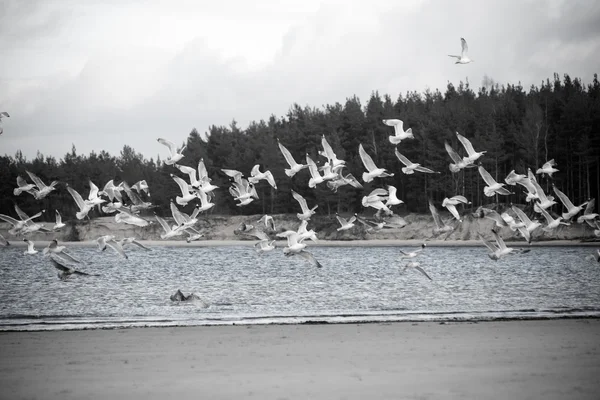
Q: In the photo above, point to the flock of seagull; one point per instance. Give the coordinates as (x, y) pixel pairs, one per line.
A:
(126, 202)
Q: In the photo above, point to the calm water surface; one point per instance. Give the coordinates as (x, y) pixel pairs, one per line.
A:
(356, 284)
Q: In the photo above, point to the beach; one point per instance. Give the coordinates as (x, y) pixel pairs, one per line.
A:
(534, 359)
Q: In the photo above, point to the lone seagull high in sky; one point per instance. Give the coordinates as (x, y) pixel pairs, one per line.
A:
(464, 57)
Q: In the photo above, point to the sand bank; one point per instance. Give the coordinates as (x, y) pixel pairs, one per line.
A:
(549, 359)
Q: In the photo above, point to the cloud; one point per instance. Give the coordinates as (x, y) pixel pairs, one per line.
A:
(125, 91)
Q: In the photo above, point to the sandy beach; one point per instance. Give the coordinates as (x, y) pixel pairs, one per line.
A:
(539, 359)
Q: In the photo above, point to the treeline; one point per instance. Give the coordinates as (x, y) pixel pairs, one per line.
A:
(518, 128)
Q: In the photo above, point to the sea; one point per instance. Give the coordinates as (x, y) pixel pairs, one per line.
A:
(357, 284)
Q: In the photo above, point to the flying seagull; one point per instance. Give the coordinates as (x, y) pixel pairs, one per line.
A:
(464, 57)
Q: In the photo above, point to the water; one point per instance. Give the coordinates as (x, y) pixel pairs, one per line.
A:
(357, 284)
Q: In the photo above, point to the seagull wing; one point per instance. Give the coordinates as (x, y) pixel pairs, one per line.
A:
(436, 215)
(563, 198)
(464, 47)
(421, 270)
(499, 240)
(487, 244)
(163, 223)
(589, 209)
(170, 145)
(77, 197)
(116, 247)
(38, 182)
(309, 257)
(402, 158)
(287, 155)
(521, 215)
(453, 154)
(366, 159)
(486, 176)
(59, 264)
(466, 144)
(301, 200)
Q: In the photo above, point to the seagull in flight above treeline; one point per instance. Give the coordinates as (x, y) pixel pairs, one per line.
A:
(464, 57)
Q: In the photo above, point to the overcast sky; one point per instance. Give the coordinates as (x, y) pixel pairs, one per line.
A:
(102, 74)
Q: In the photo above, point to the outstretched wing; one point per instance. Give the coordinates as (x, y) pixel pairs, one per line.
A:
(486, 176)
(464, 47)
(453, 154)
(366, 159)
(402, 158)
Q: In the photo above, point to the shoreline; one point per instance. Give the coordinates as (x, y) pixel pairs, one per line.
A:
(545, 359)
(327, 243)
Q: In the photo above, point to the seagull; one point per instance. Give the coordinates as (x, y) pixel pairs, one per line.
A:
(511, 222)
(399, 133)
(112, 191)
(392, 198)
(131, 240)
(411, 167)
(345, 224)
(417, 266)
(192, 235)
(256, 176)
(459, 163)
(53, 247)
(498, 250)
(544, 201)
(513, 178)
(30, 247)
(493, 187)
(372, 226)
(412, 254)
(492, 215)
(65, 272)
(306, 212)
(304, 254)
(463, 58)
(84, 206)
(530, 225)
(552, 223)
(372, 170)
(342, 180)
(332, 159)
(472, 154)
(264, 246)
(440, 226)
(268, 221)
(3, 241)
(141, 186)
(251, 230)
(169, 231)
(138, 203)
(304, 233)
(450, 204)
(547, 168)
(186, 194)
(23, 186)
(376, 199)
(2, 115)
(42, 190)
(58, 224)
(294, 166)
(315, 175)
(572, 210)
(588, 214)
(174, 155)
(597, 255)
(126, 217)
(19, 225)
(109, 240)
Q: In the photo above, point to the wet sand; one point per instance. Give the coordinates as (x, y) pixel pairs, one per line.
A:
(544, 359)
